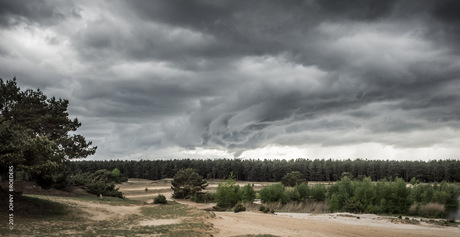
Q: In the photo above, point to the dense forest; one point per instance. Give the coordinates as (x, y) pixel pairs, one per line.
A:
(274, 170)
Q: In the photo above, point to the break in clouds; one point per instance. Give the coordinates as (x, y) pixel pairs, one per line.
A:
(251, 79)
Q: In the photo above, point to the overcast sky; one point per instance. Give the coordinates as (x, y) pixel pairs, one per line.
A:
(248, 79)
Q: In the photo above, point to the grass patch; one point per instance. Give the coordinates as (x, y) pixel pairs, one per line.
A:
(261, 235)
(105, 200)
(57, 218)
(171, 210)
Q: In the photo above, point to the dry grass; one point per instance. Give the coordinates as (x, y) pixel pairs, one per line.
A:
(432, 209)
(302, 207)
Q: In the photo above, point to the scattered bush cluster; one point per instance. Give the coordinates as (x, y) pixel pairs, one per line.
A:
(357, 196)
(265, 209)
(364, 196)
(392, 197)
(228, 194)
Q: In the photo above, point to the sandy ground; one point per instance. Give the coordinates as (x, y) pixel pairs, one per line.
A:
(230, 224)
(291, 224)
(98, 211)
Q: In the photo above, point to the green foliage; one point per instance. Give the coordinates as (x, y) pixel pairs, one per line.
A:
(248, 194)
(274, 170)
(239, 207)
(398, 201)
(262, 208)
(186, 183)
(292, 179)
(228, 194)
(274, 193)
(318, 192)
(116, 173)
(160, 199)
(293, 194)
(303, 191)
(99, 182)
(203, 197)
(36, 134)
(392, 197)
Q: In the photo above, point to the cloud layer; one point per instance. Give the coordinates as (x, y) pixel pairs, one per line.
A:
(261, 79)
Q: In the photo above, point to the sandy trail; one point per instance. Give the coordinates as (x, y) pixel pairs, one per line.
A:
(99, 211)
(230, 224)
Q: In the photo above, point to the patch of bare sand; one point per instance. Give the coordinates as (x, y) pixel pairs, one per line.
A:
(99, 211)
(157, 222)
(230, 224)
(199, 206)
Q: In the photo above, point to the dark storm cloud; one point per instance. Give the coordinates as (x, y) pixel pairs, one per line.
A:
(238, 75)
(34, 12)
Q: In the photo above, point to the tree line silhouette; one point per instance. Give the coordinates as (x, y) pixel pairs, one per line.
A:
(274, 170)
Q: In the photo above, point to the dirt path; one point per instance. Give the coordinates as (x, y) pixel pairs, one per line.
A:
(230, 224)
(99, 211)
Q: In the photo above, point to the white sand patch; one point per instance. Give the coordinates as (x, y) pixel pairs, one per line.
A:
(157, 222)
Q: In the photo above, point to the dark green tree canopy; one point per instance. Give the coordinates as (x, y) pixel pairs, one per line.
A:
(36, 133)
(293, 178)
(186, 183)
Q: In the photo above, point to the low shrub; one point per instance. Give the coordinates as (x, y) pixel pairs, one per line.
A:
(262, 208)
(202, 197)
(432, 209)
(160, 199)
(239, 207)
(99, 182)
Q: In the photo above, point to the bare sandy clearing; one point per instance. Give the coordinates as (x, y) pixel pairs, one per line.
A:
(229, 224)
(99, 211)
(157, 222)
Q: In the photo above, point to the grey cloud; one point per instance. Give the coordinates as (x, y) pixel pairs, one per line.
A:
(40, 12)
(238, 75)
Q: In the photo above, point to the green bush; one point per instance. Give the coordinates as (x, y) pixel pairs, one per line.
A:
(274, 193)
(100, 182)
(262, 208)
(292, 179)
(203, 197)
(318, 192)
(160, 199)
(239, 207)
(228, 194)
(293, 194)
(248, 194)
(303, 190)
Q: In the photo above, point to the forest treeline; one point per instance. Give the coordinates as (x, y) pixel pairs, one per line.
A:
(274, 170)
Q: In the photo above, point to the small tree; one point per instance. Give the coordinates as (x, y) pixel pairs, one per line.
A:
(248, 193)
(303, 190)
(274, 193)
(228, 194)
(186, 183)
(116, 173)
(292, 179)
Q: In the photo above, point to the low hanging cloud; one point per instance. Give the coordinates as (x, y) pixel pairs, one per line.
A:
(173, 79)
